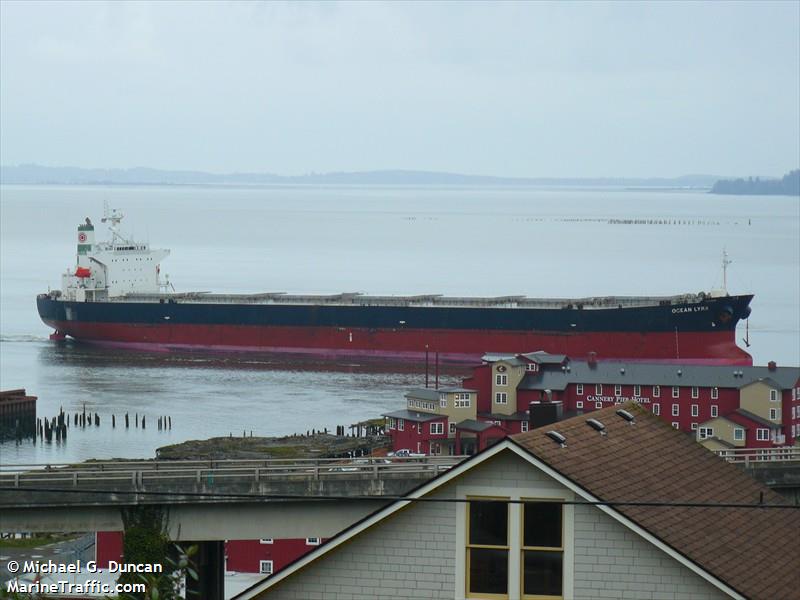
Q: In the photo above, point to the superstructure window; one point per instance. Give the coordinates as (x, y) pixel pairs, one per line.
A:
(487, 548)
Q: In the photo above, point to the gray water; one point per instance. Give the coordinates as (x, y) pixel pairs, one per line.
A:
(454, 241)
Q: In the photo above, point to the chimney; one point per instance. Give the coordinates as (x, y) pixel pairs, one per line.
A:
(592, 360)
(544, 413)
(772, 365)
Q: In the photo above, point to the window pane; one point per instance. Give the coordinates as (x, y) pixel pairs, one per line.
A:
(488, 523)
(542, 572)
(542, 524)
(488, 571)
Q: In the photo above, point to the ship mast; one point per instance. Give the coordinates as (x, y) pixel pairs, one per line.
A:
(725, 263)
(115, 217)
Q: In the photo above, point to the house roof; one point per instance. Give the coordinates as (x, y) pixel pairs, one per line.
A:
(545, 358)
(745, 417)
(517, 416)
(417, 417)
(649, 461)
(660, 374)
(473, 425)
(744, 551)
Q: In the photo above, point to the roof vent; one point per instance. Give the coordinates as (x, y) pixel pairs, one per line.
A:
(772, 365)
(596, 425)
(627, 416)
(680, 372)
(557, 438)
(622, 370)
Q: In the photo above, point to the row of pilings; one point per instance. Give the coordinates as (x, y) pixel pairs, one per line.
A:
(56, 428)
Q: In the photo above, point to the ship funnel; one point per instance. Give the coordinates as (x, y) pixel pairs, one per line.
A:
(85, 237)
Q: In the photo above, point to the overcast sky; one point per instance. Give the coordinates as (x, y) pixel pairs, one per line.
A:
(516, 89)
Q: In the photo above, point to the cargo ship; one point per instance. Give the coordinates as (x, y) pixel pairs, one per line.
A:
(115, 295)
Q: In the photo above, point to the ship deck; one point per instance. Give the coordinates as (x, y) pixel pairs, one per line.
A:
(424, 300)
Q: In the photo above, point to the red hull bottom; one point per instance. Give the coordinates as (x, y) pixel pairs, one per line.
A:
(713, 348)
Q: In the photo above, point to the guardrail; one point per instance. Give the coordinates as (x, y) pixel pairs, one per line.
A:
(747, 456)
(138, 474)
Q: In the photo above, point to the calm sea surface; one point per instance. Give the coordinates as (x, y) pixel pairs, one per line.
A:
(454, 241)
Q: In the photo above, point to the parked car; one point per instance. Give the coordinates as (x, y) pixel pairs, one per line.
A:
(405, 453)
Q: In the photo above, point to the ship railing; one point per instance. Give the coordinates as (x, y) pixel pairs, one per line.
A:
(114, 475)
(747, 456)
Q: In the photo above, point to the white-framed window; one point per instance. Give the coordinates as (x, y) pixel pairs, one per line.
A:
(265, 567)
(714, 393)
(618, 390)
(738, 434)
(656, 408)
(532, 367)
(419, 428)
(637, 391)
(714, 410)
(676, 425)
(579, 389)
(265, 541)
(501, 379)
(501, 398)
(706, 432)
(694, 426)
(762, 434)
(313, 541)
(695, 392)
(437, 428)
(401, 423)
(579, 404)
(676, 410)
(598, 404)
(443, 400)
(462, 400)
(598, 388)
(773, 414)
(676, 391)
(695, 410)
(391, 424)
(523, 426)
(656, 391)
(773, 395)
(452, 428)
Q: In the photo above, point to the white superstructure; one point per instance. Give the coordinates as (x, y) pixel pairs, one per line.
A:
(114, 268)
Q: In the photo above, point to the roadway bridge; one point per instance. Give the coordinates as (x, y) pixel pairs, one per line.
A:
(219, 499)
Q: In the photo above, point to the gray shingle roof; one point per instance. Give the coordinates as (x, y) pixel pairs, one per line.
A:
(417, 417)
(659, 374)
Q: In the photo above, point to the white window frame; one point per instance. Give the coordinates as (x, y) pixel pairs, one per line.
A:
(714, 410)
(501, 379)
(598, 404)
(401, 423)
(773, 395)
(637, 391)
(695, 410)
(523, 426)
(598, 389)
(617, 390)
(443, 401)
(705, 433)
(762, 434)
(695, 392)
(462, 400)
(694, 426)
(265, 541)
(656, 391)
(579, 389)
(676, 391)
(676, 410)
(313, 541)
(773, 414)
(738, 434)
(437, 428)
(501, 398)
(676, 425)
(265, 567)
(452, 428)
(714, 393)
(656, 408)
(579, 404)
